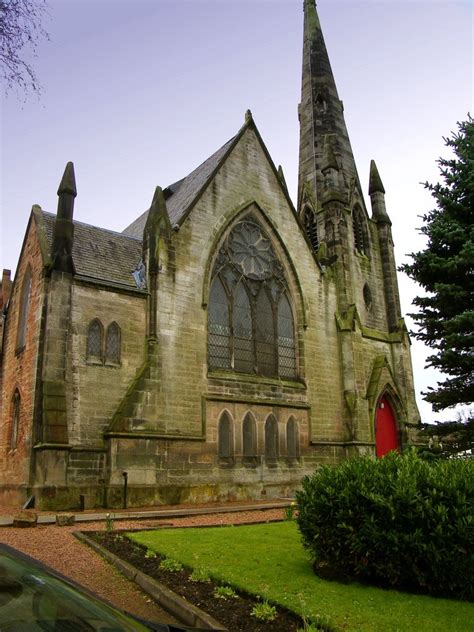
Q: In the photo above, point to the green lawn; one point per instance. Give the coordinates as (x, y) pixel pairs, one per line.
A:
(269, 560)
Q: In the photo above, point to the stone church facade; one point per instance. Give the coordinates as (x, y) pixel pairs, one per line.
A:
(224, 344)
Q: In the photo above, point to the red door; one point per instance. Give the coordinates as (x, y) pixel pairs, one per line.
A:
(386, 436)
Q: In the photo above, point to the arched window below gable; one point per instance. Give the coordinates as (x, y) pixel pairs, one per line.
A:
(24, 309)
(15, 423)
(225, 438)
(265, 335)
(286, 339)
(250, 320)
(113, 344)
(95, 341)
(242, 330)
(218, 327)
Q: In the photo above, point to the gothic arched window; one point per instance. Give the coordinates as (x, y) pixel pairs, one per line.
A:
(249, 440)
(286, 339)
(311, 227)
(112, 343)
(292, 439)
(95, 336)
(219, 327)
(250, 320)
(361, 240)
(16, 403)
(271, 438)
(225, 437)
(24, 309)
(367, 297)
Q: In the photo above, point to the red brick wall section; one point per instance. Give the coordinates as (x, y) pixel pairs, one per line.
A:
(18, 368)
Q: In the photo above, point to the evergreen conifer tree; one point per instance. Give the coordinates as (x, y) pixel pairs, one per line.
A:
(445, 269)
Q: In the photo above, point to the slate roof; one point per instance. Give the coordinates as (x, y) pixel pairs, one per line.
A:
(105, 256)
(180, 195)
(100, 254)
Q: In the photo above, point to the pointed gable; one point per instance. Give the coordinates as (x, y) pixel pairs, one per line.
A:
(181, 194)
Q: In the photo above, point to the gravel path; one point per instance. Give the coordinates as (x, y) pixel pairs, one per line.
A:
(58, 548)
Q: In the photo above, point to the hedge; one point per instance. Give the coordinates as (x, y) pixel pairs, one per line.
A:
(397, 521)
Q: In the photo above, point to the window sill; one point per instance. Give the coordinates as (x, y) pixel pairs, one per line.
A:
(226, 462)
(232, 376)
(112, 365)
(94, 362)
(107, 364)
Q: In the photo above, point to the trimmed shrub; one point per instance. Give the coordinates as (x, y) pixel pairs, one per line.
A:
(397, 521)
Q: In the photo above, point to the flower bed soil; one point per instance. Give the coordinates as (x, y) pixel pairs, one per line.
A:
(233, 613)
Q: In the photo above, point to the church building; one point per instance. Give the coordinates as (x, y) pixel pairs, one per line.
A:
(221, 347)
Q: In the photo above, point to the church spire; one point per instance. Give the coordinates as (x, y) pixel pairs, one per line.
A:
(320, 111)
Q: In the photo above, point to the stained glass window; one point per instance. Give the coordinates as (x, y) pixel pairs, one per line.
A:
(112, 351)
(242, 329)
(265, 334)
(250, 321)
(94, 340)
(286, 339)
(218, 327)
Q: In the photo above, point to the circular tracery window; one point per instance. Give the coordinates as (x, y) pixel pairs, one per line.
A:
(250, 251)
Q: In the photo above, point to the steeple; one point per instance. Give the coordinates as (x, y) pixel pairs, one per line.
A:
(377, 196)
(63, 235)
(320, 112)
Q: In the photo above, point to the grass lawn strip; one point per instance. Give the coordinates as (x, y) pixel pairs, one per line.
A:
(268, 560)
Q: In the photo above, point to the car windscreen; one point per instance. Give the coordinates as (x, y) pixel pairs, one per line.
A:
(31, 599)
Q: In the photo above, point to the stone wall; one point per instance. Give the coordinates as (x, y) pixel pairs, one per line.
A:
(18, 369)
(95, 388)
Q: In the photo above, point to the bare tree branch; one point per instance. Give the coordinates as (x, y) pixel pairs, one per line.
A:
(20, 31)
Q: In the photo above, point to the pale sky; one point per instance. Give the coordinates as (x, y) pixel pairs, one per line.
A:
(138, 93)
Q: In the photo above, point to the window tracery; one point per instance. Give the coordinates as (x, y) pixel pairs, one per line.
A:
(250, 320)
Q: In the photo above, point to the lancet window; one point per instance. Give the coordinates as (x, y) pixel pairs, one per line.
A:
(271, 438)
(95, 337)
(311, 227)
(15, 426)
(292, 438)
(250, 318)
(24, 309)
(112, 344)
(225, 437)
(361, 240)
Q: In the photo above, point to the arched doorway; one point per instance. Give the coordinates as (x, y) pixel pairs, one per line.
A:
(386, 435)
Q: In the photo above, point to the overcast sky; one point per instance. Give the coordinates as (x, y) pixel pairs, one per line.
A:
(138, 93)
